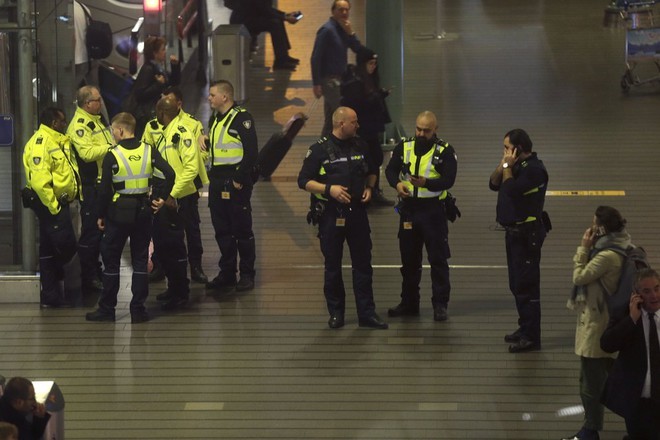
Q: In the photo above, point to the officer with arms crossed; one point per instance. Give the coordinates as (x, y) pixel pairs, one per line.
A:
(125, 212)
(421, 170)
(234, 150)
(521, 181)
(188, 205)
(53, 182)
(91, 140)
(340, 178)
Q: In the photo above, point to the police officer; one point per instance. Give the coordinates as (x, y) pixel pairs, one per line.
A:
(234, 150)
(188, 205)
(125, 212)
(340, 178)
(91, 140)
(179, 147)
(422, 169)
(521, 181)
(53, 182)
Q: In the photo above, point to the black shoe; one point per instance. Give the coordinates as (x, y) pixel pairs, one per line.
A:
(138, 317)
(58, 304)
(584, 434)
(157, 274)
(440, 313)
(336, 321)
(197, 275)
(100, 315)
(284, 65)
(512, 337)
(245, 284)
(292, 60)
(403, 310)
(373, 321)
(93, 285)
(379, 199)
(523, 345)
(176, 303)
(221, 283)
(165, 296)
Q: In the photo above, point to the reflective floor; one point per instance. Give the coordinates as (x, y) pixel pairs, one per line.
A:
(264, 365)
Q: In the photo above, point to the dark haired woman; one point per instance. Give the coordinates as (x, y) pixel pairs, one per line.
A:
(596, 270)
(361, 91)
(152, 80)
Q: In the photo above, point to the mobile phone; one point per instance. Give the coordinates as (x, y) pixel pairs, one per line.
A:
(518, 150)
(298, 15)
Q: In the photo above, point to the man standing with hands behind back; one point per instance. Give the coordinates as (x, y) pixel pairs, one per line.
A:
(633, 386)
(329, 58)
(521, 181)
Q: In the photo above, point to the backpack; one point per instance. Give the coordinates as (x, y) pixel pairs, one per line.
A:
(98, 37)
(634, 259)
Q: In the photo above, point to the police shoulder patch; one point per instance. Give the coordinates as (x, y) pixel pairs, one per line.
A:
(247, 124)
(36, 160)
(187, 142)
(80, 132)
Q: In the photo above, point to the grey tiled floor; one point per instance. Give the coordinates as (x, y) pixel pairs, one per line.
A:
(264, 365)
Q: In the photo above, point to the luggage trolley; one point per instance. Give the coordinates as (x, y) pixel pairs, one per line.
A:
(642, 46)
(642, 40)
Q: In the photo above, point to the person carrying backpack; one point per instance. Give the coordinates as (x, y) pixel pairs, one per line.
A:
(597, 269)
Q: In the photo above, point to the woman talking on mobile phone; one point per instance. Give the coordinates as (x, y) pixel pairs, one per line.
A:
(596, 269)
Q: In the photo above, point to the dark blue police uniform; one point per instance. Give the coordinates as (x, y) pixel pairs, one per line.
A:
(342, 162)
(423, 221)
(520, 203)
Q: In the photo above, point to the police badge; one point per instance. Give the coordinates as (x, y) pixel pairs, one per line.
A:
(36, 160)
(247, 124)
(187, 142)
(80, 132)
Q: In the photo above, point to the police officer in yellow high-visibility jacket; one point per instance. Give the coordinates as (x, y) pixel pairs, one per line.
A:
(234, 151)
(422, 169)
(179, 147)
(91, 140)
(53, 182)
(188, 205)
(125, 212)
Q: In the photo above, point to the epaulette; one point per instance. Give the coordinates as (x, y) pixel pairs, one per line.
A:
(322, 140)
(154, 124)
(409, 139)
(181, 128)
(91, 125)
(80, 120)
(39, 140)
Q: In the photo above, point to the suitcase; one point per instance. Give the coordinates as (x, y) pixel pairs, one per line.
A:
(278, 145)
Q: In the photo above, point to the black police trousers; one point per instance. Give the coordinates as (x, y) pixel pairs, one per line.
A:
(523, 257)
(348, 223)
(90, 236)
(112, 246)
(57, 246)
(231, 215)
(189, 212)
(169, 245)
(424, 223)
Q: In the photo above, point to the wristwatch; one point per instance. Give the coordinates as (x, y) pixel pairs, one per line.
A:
(505, 165)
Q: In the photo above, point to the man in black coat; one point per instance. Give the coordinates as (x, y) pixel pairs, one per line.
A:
(17, 403)
(633, 386)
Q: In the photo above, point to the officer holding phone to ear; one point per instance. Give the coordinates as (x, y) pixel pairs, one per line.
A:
(521, 181)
